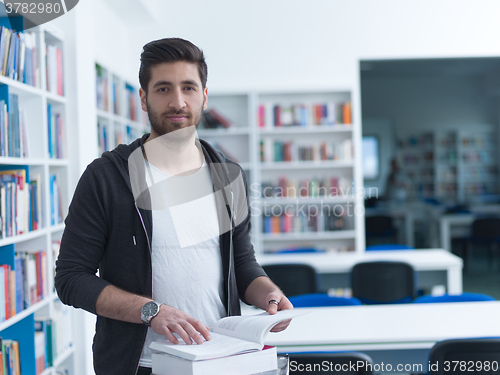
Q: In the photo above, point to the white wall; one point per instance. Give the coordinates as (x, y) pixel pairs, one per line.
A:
(290, 43)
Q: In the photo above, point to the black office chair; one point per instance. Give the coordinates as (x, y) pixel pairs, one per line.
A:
(380, 228)
(331, 363)
(383, 282)
(471, 354)
(484, 231)
(293, 279)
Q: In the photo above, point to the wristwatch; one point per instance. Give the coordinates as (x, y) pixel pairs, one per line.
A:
(149, 311)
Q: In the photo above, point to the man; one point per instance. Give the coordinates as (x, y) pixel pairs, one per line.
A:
(166, 221)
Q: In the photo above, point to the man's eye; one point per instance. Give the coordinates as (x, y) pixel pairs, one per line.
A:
(189, 88)
(162, 89)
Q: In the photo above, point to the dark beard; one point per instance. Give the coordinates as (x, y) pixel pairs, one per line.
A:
(161, 126)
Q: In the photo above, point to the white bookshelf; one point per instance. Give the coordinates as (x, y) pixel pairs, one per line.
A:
(120, 118)
(242, 141)
(34, 101)
(453, 164)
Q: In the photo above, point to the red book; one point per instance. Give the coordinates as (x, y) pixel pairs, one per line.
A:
(318, 113)
(277, 116)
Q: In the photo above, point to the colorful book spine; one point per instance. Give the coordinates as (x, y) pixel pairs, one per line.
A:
(303, 115)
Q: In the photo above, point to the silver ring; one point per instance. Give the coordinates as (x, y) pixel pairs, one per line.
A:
(274, 301)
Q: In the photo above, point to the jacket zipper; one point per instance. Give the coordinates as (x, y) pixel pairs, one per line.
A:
(150, 254)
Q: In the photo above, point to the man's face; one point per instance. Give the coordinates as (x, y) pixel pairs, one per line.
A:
(175, 98)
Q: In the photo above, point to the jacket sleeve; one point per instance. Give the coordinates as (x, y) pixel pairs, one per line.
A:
(246, 267)
(82, 246)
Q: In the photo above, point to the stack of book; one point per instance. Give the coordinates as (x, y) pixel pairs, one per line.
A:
(236, 347)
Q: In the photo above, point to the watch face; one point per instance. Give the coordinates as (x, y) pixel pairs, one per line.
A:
(150, 309)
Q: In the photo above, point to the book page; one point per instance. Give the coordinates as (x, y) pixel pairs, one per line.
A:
(253, 327)
(218, 346)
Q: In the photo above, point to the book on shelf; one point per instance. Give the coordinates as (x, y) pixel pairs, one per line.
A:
(279, 151)
(54, 67)
(285, 187)
(18, 56)
(236, 347)
(13, 133)
(63, 328)
(40, 358)
(47, 326)
(102, 137)
(56, 207)
(288, 220)
(303, 115)
(132, 96)
(213, 119)
(22, 285)
(115, 96)
(15, 200)
(10, 357)
(102, 99)
(56, 133)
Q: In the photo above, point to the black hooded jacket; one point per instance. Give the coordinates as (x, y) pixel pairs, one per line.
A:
(109, 230)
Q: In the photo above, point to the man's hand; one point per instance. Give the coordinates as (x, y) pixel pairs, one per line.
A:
(277, 302)
(263, 293)
(170, 320)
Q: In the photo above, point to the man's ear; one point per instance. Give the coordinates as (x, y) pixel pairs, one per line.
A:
(205, 98)
(143, 95)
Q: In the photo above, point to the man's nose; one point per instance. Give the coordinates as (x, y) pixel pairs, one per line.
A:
(177, 100)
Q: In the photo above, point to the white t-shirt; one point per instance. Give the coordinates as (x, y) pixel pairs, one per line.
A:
(186, 259)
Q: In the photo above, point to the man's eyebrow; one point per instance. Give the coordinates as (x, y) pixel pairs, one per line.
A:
(162, 83)
(168, 83)
(190, 82)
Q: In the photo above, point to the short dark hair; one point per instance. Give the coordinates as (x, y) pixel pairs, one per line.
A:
(169, 50)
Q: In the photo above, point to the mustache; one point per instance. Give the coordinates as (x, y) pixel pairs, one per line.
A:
(174, 112)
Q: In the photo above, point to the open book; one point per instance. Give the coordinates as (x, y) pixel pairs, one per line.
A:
(230, 335)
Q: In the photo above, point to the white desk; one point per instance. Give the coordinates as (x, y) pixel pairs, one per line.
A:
(391, 332)
(425, 262)
(458, 225)
(454, 225)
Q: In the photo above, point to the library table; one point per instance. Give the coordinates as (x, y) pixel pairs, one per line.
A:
(433, 266)
(458, 225)
(390, 334)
